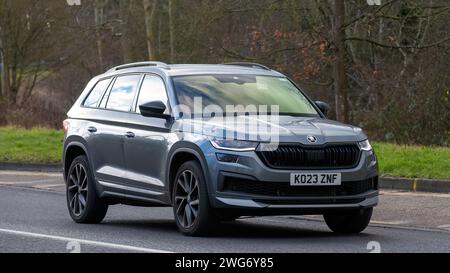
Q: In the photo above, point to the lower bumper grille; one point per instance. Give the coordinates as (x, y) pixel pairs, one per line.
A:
(311, 202)
(284, 189)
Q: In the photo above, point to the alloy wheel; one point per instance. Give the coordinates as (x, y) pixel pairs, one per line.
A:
(78, 189)
(187, 199)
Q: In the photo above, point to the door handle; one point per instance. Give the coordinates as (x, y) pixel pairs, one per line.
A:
(92, 129)
(130, 135)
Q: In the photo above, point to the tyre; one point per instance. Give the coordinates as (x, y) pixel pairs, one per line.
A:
(84, 205)
(193, 214)
(351, 222)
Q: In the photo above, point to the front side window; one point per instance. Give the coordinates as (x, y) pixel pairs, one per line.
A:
(123, 92)
(247, 90)
(153, 89)
(96, 93)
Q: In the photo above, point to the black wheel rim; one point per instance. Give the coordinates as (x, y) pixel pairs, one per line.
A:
(77, 190)
(187, 199)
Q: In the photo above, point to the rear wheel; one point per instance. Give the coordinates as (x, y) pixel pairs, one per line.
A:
(193, 214)
(351, 222)
(82, 201)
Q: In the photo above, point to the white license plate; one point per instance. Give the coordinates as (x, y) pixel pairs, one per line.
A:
(316, 179)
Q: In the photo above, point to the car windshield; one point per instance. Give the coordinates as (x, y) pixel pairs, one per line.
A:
(243, 90)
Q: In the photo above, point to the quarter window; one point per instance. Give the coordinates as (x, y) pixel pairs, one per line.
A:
(153, 89)
(123, 92)
(96, 93)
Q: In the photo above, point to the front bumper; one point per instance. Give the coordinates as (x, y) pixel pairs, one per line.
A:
(301, 200)
(279, 199)
(267, 206)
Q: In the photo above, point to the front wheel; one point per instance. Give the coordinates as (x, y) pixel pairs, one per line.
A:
(82, 200)
(193, 214)
(352, 222)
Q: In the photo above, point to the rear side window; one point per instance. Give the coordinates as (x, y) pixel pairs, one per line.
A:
(123, 92)
(96, 93)
(153, 89)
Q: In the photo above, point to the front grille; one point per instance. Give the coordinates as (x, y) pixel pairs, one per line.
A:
(284, 189)
(342, 156)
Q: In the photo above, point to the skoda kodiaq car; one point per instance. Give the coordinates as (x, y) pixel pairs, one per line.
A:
(137, 136)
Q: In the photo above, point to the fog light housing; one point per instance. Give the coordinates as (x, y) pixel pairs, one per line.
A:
(371, 159)
(227, 158)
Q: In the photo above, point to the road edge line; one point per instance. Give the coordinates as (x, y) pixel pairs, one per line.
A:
(83, 241)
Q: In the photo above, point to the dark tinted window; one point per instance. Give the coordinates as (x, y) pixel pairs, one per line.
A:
(123, 92)
(153, 89)
(96, 93)
(246, 90)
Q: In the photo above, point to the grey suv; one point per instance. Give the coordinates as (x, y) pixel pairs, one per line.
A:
(136, 136)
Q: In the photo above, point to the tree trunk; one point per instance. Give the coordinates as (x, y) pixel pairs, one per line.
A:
(4, 64)
(340, 63)
(171, 32)
(125, 42)
(149, 13)
(5, 87)
(99, 7)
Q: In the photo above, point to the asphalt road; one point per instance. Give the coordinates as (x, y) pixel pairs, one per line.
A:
(34, 218)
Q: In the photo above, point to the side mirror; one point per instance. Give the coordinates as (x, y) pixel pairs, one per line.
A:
(323, 106)
(153, 109)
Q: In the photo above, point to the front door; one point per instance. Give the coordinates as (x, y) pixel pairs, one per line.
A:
(146, 148)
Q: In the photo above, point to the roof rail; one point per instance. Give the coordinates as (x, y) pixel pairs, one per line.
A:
(250, 65)
(140, 64)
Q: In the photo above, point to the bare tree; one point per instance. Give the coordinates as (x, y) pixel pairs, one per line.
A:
(124, 13)
(99, 20)
(171, 32)
(149, 16)
(4, 70)
(365, 60)
(21, 47)
(340, 62)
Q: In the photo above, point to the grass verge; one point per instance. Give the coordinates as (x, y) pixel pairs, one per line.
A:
(34, 146)
(413, 161)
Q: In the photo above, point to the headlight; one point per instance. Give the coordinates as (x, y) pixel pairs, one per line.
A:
(233, 145)
(365, 145)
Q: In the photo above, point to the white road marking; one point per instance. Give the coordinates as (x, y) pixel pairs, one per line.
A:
(390, 222)
(407, 193)
(12, 183)
(81, 241)
(24, 173)
(273, 221)
(45, 186)
(444, 226)
(27, 182)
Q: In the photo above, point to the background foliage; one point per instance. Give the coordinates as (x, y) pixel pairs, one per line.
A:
(385, 68)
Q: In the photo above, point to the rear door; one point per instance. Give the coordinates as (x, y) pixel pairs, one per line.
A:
(109, 128)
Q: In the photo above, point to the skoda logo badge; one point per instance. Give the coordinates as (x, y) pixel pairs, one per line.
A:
(312, 139)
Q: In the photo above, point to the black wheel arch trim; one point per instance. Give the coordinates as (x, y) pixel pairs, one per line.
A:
(79, 142)
(187, 147)
(74, 141)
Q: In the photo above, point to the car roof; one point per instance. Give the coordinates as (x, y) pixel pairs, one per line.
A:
(193, 69)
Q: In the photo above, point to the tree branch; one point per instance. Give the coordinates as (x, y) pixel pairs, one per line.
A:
(397, 46)
(266, 56)
(362, 16)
